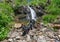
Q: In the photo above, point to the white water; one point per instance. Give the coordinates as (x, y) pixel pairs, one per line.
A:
(33, 14)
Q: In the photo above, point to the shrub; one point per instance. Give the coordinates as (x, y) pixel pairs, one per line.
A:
(6, 17)
(54, 7)
(49, 18)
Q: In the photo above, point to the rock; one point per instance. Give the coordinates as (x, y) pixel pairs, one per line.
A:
(40, 33)
(41, 39)
(35, 37)
(20, 33)
(10, 40)
(24, 41)
(52, 40)
(41, 23)
(28, 38)
(43, 29)
(57, 41)
(31, 36)
(59, 36)
(31, 32)
(47, 39)
(17, 25)
(18, 38)
(56, 37)
(14, 34)
(19, 30)
(59, 31)
(50, 34)
(14, 40)
(34, 40)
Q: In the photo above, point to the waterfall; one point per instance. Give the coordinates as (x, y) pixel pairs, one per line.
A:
(32, 14)
(32, 18)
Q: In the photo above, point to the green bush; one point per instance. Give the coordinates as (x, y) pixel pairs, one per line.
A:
(49, 18)
(54, 7)
(6, 17)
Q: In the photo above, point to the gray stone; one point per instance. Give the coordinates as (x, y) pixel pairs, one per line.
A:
(41, 39)
(10, 40)
(28, 38)
(59, 31)
(18, 38)
(14, 34)
(35, 37)
(50, 34)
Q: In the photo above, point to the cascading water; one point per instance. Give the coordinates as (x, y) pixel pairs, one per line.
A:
(32, 18)
(32, 14)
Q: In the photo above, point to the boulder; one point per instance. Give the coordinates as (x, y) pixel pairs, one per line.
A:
(17, 25)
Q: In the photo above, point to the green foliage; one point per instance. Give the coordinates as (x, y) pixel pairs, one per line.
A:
(37, 2)
(54, 7)
(6, 17)
(49, 18)
(53, 10)
(25, 2)
(20, 2)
